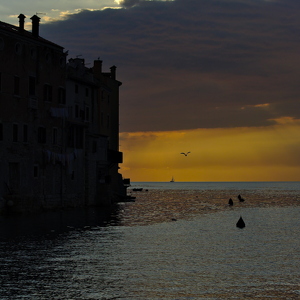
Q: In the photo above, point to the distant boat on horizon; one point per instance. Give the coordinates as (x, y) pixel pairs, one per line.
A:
(172, 180)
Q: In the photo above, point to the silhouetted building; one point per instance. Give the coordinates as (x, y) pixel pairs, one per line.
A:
(55, 151)
(108, 95)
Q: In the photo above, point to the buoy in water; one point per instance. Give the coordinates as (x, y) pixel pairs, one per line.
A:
(240, 223)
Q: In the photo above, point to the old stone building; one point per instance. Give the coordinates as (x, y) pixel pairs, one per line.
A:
(93, 104)
(59, 134)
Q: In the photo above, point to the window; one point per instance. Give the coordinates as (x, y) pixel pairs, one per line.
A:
(48, 57)
(35, 171)
(1, 132)
(1, 44)
(47, 92)
(33, 53)
(71, 136)
(76, 88)
(86, 92)
(82, 114)
(18, 48)
(14, 177)
(108, 121)
(62, 61)
(42, 135)
(0, 81)
(25, 133)
(54, 136)
(76, 111)
(94, 146)
(79, 137)
(61, 95)
(76, 137)
(31, 86)
(87, 113)
(102, 119)
(17, 86)
(15, 132)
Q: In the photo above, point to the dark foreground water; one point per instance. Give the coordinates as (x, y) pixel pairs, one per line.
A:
(93, 254)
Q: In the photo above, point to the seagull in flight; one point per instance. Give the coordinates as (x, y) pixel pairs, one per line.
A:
(185, 154)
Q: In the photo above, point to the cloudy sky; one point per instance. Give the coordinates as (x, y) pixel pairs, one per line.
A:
(219, 78)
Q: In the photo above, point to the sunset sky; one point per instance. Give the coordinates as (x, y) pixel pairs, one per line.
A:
(218, 78)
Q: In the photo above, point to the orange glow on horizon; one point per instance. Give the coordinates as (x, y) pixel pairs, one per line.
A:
(221, 154)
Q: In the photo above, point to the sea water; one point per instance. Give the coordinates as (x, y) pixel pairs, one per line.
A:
(87, 255)
(253, 186)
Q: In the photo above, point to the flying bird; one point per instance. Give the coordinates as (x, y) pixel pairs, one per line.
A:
(185, 154)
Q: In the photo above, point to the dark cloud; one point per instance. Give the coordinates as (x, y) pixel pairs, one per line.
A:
(194, 63)
(130, 3)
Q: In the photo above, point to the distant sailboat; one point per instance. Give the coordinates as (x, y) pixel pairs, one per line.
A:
(172, 180)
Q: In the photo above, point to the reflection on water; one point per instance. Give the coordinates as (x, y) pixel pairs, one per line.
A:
(138, 252)
(156, 205)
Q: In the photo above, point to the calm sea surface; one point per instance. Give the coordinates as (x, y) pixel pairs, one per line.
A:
(177, 241)
(253, 186)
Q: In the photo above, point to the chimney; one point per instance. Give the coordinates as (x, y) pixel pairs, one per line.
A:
(35, 25)
(21, 22)
(97, 68)
(113, 72)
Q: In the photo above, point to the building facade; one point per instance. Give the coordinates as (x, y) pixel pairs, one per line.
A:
(55, 150)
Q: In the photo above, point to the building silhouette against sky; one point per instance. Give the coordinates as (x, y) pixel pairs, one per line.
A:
(59, 126)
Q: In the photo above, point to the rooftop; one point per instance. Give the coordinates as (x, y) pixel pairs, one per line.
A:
(27, 34)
